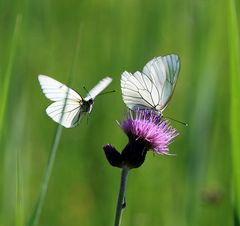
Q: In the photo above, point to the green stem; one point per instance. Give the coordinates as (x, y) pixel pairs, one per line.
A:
(37, 210)
(121, 196)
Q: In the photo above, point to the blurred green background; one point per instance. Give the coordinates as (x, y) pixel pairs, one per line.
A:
(195, 187)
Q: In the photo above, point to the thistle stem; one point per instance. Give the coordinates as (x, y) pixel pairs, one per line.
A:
(121, 195)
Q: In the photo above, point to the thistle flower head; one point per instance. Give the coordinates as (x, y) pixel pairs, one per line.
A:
(146, 129)
(150, 127)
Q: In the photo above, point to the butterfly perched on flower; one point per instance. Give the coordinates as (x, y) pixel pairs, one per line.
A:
(69, 106)
(153, 87)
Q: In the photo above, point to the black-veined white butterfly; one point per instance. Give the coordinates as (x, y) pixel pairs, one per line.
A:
(75, 105)
(153, 87)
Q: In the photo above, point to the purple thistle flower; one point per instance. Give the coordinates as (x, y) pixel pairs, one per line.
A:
(146, 129)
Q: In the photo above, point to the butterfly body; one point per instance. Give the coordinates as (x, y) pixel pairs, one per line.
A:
(68, 106)
(153, 87)
(87, 105)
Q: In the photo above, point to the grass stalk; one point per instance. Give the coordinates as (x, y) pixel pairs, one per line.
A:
(39, 204)
(19, 194)
(7, 78)
(234, 57)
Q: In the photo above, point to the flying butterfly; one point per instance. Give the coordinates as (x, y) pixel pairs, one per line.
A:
(69, 106)
(153, 87)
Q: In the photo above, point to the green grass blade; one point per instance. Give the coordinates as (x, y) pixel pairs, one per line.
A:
(4, 95)
(38, 207)
(235, 100)
(19, 191)
(7, 78)
(39, 204)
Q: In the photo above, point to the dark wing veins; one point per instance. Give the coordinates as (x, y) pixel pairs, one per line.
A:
(152, 84)
(139, 92)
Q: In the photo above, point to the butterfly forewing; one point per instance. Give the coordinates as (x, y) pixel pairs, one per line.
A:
(55, 90)
(154, 86)
(172, 65)
(98, 88)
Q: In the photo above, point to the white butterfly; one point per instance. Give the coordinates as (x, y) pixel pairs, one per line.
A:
(75, 105)
(153, 87)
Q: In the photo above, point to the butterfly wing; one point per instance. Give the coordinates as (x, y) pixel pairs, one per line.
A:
(163, 72)
(69, 116)
(154, 86)
(66, 110)
(98, 88)
(136, 90)
(56, 91)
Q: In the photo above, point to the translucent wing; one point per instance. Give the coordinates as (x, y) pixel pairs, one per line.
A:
(153, 87)
(56, 91)
(98, 88)
(163, 71)
(71, 114)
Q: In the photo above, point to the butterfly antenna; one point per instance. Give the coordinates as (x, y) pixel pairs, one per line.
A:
(111, 91)
(175, 120)
(84, 87)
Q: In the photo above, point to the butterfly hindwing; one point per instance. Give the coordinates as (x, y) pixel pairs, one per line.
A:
(68, 116)
(135, 90)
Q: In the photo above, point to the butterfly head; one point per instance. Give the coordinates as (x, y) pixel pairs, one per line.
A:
(90, 102)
